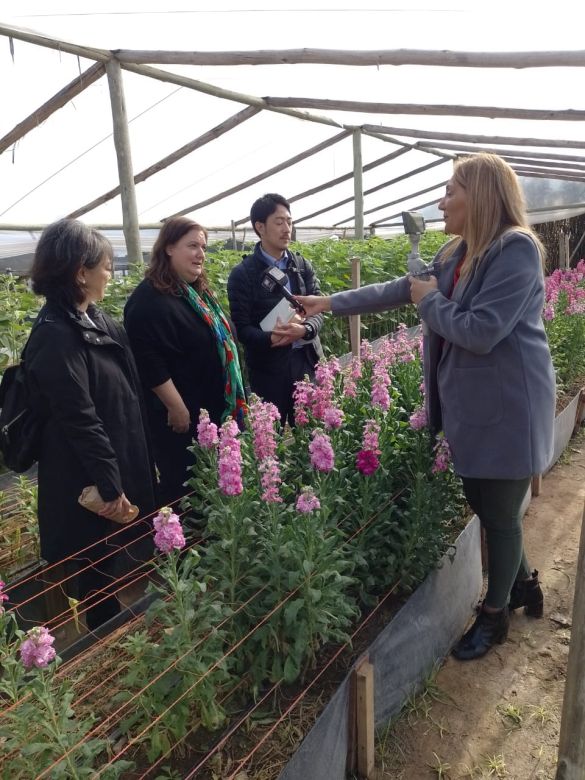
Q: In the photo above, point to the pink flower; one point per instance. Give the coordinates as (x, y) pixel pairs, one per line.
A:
(442, 455)
(3, 597)
(366, 351)
(271, 481)
(262, 417)
(229, 465)
(307, 502)
(322, 455)
(36, 649)
(418, 419)
(303, 398)
(367, 462)
(169, 533)
(333, 417)
(206, 431)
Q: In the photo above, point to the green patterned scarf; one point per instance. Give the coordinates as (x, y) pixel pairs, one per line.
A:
(210, 311)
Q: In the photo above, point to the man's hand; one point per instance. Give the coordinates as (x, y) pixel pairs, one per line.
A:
(285, 333)
(421, 287)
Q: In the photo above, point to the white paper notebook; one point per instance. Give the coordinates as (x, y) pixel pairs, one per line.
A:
(283, 309)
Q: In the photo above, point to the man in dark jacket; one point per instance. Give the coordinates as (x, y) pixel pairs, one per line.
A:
(278, 358)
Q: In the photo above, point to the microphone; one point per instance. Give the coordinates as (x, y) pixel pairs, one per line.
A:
(274, 278)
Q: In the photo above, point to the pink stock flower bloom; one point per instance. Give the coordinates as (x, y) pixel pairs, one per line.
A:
(307, 502)
(36, 649)
(270, 480)
(380, 396)
(322, 455)
(349, 386)
(548, 312)
(370, 438)
(303, 399)
(367, 462)
(418, 419)
(366, 351)
(3, 597)
(262, 416)
(169, 533)
(356, 367)
(206, 431)
(442, 455)
(229, 464)
(333, 418)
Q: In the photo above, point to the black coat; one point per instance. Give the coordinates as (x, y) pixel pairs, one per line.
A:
(171, 341)
(84, 382)
(250, 302)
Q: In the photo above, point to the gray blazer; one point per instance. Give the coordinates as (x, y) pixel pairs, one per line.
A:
(489, 379)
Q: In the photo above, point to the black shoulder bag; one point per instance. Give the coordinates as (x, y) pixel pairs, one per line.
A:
(20, 425)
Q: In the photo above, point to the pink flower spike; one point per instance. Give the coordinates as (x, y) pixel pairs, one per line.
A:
(3, 597)
(206, 431)
(270, 481)
(418, 419)
(169, 533)
(442, 455)
(307, 502)
(36, 649)
(321, 450)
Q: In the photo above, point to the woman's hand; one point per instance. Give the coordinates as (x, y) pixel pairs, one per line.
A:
(314, 304)
(421, 287)
(286, 333)
(119, 507)
(178, 417)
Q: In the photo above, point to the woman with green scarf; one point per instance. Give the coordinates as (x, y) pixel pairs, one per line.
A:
(185, 351)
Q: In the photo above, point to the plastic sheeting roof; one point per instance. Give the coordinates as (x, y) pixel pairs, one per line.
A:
(70, 159)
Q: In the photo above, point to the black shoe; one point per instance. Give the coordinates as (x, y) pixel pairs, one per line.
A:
(488, 629)
(527, 594)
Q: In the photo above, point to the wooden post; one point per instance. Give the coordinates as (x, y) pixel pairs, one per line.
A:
(365, 720)
(536, 485)
(571, 765)
(580, 411)
(358, 184)
(234, 247)
(355, 321)
(123, 153)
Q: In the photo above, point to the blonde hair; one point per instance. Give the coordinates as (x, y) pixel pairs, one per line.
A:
(495, 206)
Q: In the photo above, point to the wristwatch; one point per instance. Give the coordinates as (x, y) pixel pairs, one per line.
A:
(310, 334)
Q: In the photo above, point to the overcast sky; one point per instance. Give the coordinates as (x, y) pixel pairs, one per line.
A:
(165, 117)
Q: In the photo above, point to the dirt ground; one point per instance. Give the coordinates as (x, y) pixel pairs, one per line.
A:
(500, 716)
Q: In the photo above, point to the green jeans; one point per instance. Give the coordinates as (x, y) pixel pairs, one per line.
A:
(497, 503)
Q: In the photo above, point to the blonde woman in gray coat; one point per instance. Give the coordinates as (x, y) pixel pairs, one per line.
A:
(489, 379)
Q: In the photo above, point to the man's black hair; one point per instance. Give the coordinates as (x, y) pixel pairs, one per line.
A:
(265, 206)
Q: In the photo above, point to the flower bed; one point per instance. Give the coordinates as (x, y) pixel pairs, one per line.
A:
(301, 534)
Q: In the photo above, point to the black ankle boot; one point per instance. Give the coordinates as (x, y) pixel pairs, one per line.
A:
(527, 594)
(488, 629)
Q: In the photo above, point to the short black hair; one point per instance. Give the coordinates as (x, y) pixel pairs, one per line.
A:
(265, 206)
(64, 247)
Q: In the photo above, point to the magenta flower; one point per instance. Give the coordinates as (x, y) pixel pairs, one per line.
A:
(36, 649)
(270, 480)
(442, 455)
(229, 465)
(169, 533)
(307, 501)
(206, 431)
(418, 419)
(322, 455)
(3, 597)
(367, 462)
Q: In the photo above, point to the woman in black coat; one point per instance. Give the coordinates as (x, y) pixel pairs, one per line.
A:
(84, 383)
(184, 349)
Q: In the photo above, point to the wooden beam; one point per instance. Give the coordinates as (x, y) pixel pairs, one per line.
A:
(571, 765)
(496, 150)
(358, 185)
(58, 100)
(373, 189)
(47, 41)
(210, 135)
(355, 320)
(380, 222)
(377, 57)
(541, 173)
(493, 112)
(365, 720)
(339, 179)
(553, 164)
(124, 157)
(226, 94)
(476, 139)
(265, 174)
(394, 202)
